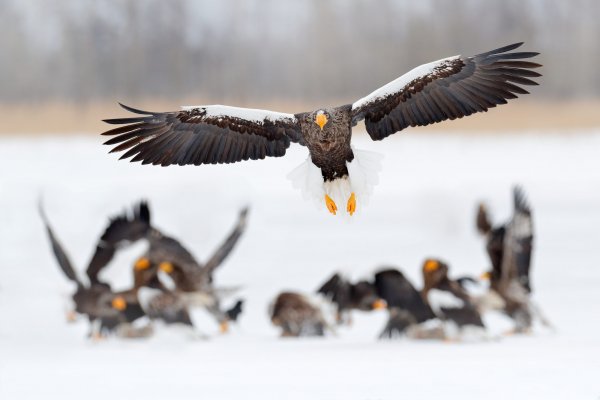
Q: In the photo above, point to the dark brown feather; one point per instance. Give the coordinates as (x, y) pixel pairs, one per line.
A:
(458, 87)
(192, 137)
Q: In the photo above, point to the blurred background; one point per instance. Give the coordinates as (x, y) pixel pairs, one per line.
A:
(71, 60)
(64, 65)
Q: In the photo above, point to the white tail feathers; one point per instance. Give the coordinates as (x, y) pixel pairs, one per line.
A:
(363, 174)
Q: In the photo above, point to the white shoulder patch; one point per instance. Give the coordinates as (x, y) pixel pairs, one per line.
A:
(248, 114)
(400, 83)
(439, 299)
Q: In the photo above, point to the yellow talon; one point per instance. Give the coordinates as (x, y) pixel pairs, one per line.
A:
(119, 303)
(224, 327)
(351, 207)
(71, 316)
(330, 204)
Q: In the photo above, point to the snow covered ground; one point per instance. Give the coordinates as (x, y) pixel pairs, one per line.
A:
(423, 206)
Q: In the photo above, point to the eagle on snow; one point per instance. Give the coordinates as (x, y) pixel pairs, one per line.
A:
(334, 172)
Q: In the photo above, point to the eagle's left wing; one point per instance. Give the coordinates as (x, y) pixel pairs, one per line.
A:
(446, 89)
(197, 135)
(227, 246)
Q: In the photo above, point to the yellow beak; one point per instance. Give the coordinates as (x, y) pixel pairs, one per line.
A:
(431, 265)
(224, 327)
(166, 267)
(486, 276)
(142, 263)
(321, 120)
(379, 304)
(119, 303)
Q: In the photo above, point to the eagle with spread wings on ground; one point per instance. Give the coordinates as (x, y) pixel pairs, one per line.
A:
(334, 172)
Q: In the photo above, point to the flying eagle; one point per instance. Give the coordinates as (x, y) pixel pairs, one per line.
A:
(510, 247)
(106, 309)
(335, 172)
(192, 280)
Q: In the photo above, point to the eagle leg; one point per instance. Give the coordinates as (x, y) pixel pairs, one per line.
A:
(351, 207)
(224, 327)
(71, 316)
(330, 204)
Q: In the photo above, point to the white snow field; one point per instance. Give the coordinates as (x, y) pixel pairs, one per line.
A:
(424, 206)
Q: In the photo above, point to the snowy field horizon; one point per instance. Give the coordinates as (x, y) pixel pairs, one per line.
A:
(424, 206)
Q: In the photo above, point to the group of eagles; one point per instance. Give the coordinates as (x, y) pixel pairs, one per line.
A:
(444, 308)
(168, 281)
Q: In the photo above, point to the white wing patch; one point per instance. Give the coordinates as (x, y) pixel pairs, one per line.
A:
(248, 114)
(521, 226)
(166, 280)
(439, 299)
(146, 295)
(398, 84)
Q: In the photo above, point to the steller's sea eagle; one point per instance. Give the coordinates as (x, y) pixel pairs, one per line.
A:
(450, 88)
(510, 247)
(450, 302)
(108, 311)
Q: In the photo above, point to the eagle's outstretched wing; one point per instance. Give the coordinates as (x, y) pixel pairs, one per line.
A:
(337, 289)
(227, 246)
(61, 256)
(203, 135)
(123, 229)
(518, 242)
(446, 89)
(398, 292)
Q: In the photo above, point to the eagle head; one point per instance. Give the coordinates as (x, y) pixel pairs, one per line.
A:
(434, 271)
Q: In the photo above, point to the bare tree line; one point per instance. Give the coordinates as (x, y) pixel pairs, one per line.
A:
(246, 50)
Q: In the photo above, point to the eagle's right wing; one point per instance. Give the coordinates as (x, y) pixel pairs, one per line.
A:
(213, 134)
(397, 291)
(122, 230)
(59, 252)
(518, 243)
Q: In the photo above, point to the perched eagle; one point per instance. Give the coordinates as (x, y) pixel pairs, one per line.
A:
(389, 289)
(450, 302)
(450, 88)
(297, 316)
(348, 296)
